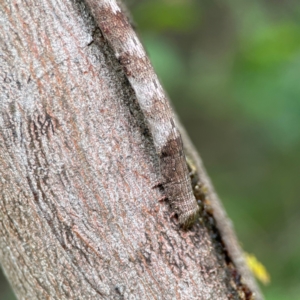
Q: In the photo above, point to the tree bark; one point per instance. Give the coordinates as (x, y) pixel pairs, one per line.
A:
(79, 217)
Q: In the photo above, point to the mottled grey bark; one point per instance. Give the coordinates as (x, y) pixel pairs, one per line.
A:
(79, 218)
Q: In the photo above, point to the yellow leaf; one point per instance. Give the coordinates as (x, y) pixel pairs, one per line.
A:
(257, 268)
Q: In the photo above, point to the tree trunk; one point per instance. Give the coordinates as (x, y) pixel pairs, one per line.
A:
(79, 217)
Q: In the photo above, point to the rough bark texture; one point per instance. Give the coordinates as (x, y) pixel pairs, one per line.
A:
(79, 218)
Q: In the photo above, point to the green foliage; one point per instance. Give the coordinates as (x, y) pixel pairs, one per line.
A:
(270, 46)
(157, 15)
(265, 80)
(232, 71)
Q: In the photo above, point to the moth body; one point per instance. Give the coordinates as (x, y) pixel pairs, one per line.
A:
(154, 104)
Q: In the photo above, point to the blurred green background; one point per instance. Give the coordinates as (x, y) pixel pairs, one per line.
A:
(232, 69)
